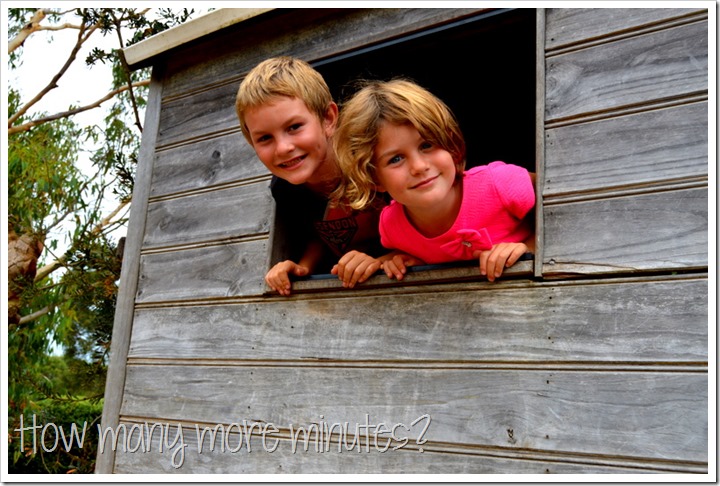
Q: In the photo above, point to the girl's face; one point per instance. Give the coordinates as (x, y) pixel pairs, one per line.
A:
(416, 173)
(291, 141)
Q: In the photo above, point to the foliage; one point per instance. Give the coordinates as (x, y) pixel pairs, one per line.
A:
(67, 456)
(68, 186)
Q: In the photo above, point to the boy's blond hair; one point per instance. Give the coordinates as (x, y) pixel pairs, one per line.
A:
(282, 76)
(399, 102)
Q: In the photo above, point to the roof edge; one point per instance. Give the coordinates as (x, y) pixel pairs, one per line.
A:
(187, 32)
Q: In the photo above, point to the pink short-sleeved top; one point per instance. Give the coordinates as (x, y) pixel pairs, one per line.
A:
(496, 198)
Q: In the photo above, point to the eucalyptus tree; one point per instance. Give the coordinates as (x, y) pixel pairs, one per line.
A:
(69, 192)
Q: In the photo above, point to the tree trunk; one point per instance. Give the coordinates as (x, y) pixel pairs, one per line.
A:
(23, 254)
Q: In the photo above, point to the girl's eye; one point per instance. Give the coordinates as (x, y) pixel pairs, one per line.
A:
(394, 160)
(425, 145)
(294, 127)
(262, 138)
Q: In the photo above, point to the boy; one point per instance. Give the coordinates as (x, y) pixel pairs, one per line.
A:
(288, 116)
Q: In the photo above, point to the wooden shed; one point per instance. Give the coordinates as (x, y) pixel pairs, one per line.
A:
(592, 358)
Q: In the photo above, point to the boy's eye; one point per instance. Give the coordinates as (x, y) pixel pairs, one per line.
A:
(425, 145)
(262, 138)
(294, 126)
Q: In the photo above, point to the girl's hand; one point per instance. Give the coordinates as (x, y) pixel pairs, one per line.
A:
(499, 257)
(395, 264)
(278, 278)
(355, 267)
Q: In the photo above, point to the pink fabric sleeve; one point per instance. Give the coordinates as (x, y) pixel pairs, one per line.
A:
(385, 224)
(514, 187)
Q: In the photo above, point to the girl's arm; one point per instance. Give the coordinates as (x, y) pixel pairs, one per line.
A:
(396, 262)
(355, 267)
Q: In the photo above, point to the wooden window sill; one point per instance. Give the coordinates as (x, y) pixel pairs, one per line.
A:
(418, 275)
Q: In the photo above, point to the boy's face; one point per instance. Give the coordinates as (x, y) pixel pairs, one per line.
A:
(290, 139)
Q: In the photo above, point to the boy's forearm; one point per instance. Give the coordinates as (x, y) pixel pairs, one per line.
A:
(313, 254)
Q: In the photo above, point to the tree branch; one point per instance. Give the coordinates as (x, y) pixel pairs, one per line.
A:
(37, 314)
(28, 30)
(27, 126)
(54, 265)
(126, 70)
(60, 27)
(83, 36)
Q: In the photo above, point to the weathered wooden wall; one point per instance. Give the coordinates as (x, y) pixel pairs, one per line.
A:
(593, 359)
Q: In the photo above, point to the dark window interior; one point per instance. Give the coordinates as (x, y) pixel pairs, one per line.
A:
(482, 67)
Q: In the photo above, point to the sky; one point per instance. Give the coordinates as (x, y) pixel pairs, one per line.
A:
(43, 54)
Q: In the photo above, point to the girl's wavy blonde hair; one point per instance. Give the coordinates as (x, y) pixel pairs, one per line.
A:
(399, 101)
(282, 76)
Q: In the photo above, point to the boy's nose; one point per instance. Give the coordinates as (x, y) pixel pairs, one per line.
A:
(285, 145)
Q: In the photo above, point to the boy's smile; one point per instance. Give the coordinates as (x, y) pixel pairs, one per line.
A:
(291, 140)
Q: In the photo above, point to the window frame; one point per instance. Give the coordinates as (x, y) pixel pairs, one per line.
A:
(456, 271)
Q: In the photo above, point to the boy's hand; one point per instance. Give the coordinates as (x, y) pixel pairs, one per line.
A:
(395, 264)
(278, 278)
(355, 267)
(499, 257)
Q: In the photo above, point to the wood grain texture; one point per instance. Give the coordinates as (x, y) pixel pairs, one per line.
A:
(220, 214)
(125, 305)
(310, 34)
(645, 148)
(634, 414)
(663, 230)
(212, 162)
(406, 460)
(641, 322)
(210, 112)
(229, 270)
(604, 370)
(659, 65)
(573, 25)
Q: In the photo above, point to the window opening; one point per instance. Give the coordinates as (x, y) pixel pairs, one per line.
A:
(482, 67)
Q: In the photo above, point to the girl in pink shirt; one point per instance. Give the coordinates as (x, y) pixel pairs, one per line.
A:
(397, 137)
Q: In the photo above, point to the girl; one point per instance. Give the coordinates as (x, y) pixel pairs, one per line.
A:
(397, 137)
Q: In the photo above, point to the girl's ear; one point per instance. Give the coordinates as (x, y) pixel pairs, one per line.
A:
(331, 119)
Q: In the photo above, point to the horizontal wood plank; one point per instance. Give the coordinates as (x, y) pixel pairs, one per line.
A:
(636, 414)
(309, 34)
(659, 65)
(230, 270)
(279, 455)
(636, 321)
(216, 161)
(572, 25)
(231, 212)
(656, 231)
(645, 148)
(206, 113)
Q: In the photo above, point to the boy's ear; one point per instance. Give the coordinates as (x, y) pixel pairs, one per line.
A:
(331, 118)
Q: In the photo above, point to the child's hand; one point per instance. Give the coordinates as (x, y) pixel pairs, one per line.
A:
(395, 264)
(355, 267)
(278, 278)
(499, 257)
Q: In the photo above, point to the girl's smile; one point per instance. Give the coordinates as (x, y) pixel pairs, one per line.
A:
(419, 175)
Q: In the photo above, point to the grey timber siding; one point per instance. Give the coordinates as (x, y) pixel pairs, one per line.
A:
(593, 358)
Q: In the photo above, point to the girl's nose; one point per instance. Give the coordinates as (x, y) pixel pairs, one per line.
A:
(418, 164)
